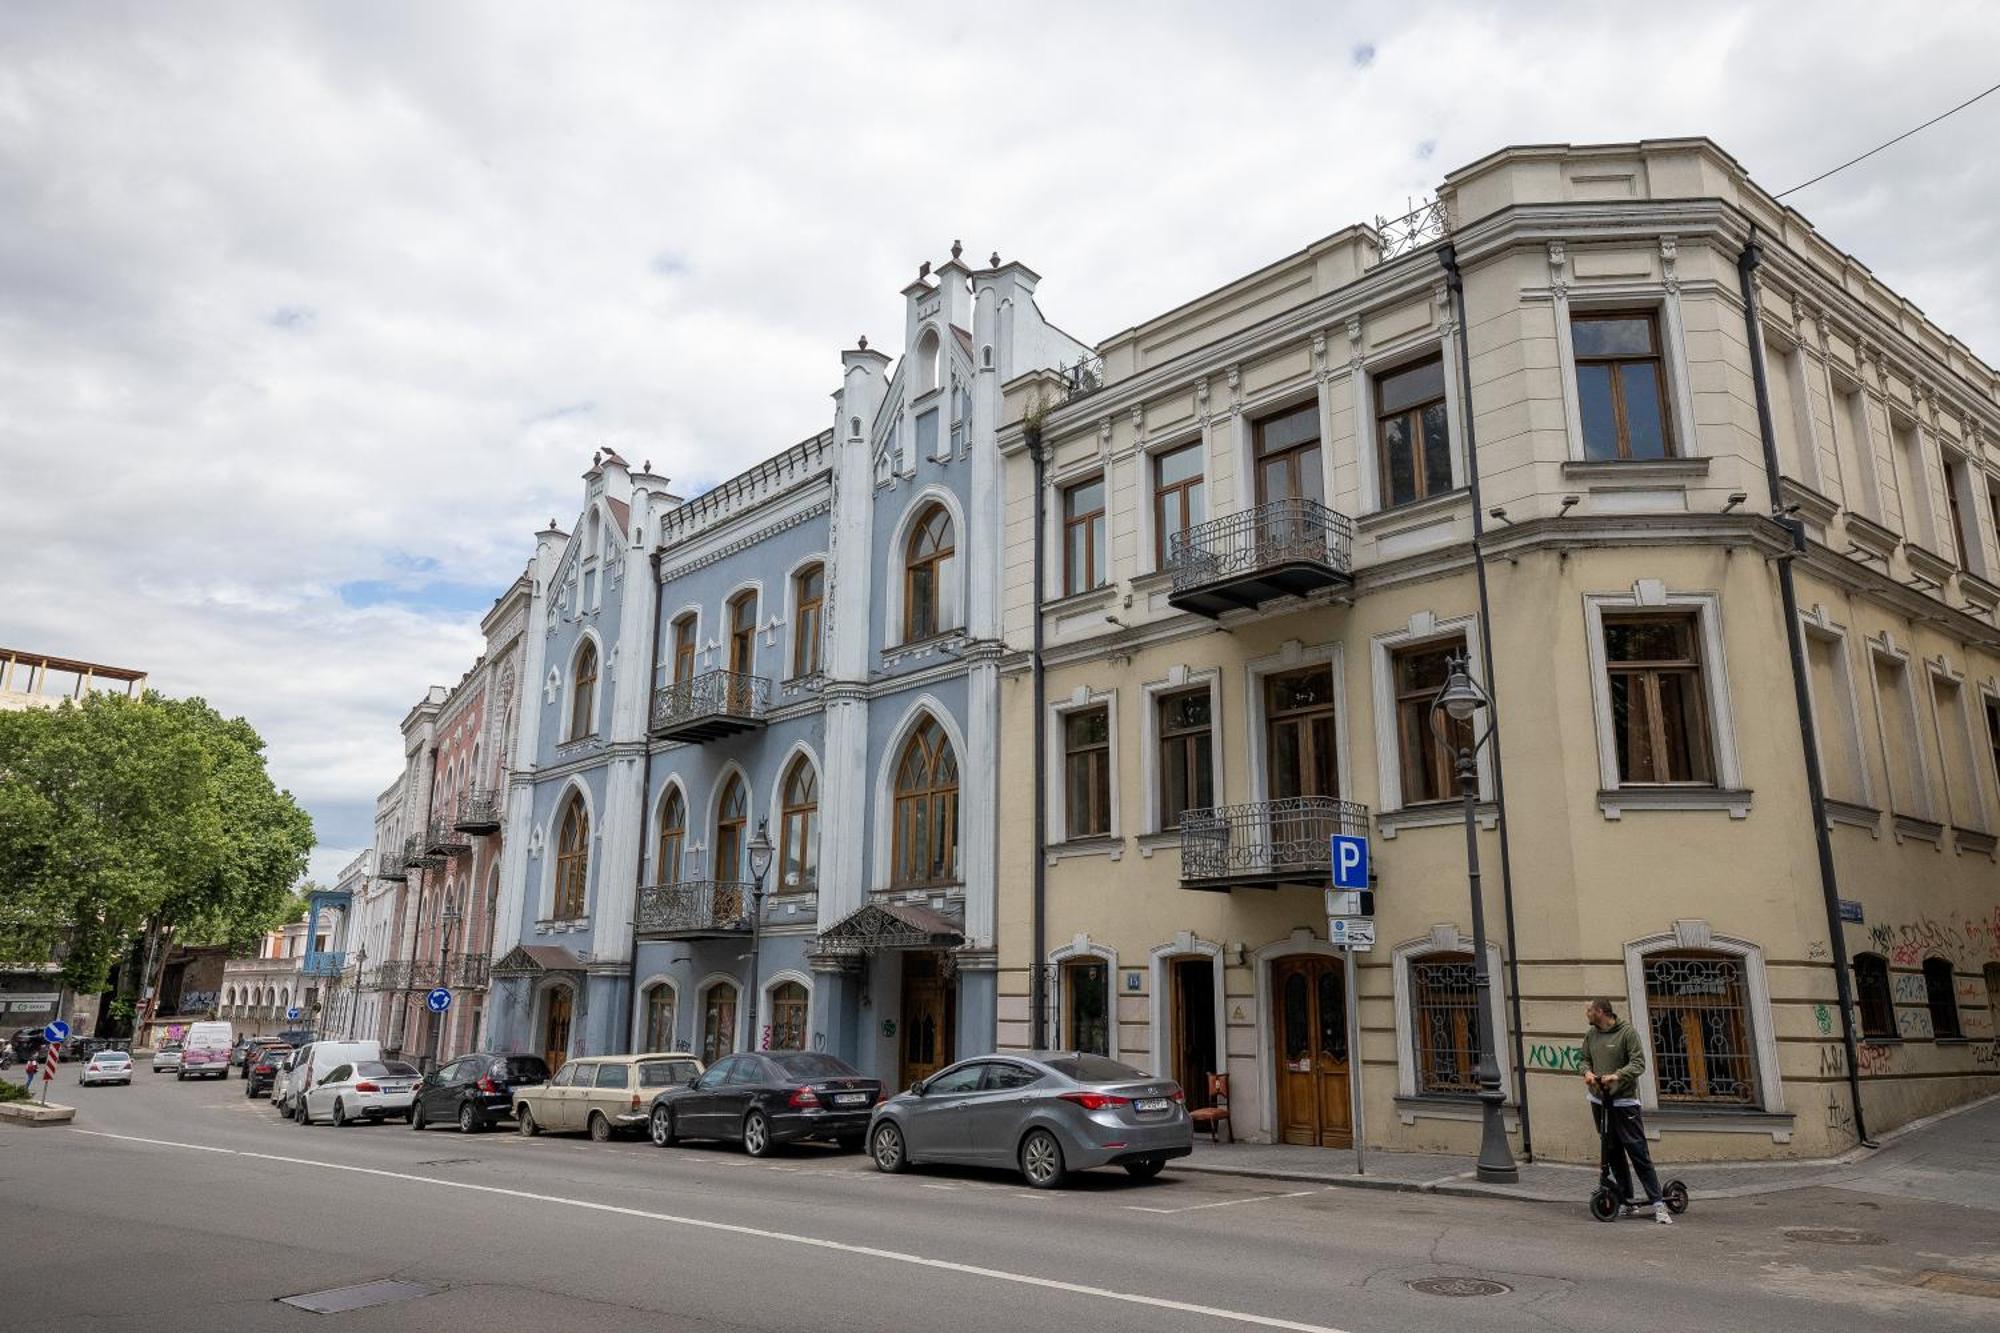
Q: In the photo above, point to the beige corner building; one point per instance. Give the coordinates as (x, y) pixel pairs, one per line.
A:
(1257, 538)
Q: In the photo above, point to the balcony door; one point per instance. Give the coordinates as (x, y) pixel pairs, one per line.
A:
(1299, 734)
(1288, 462)
(732, 816)
(743, 634)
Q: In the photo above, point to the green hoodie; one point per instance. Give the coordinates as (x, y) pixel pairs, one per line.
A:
(1616, 1051)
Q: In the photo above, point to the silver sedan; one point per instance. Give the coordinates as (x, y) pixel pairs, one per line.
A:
(363, 1090)
(1045, 1113)
(106, 1067)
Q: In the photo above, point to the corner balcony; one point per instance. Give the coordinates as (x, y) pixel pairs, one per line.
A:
(1286, 548)
(695, 910)
(445, 840)
(711, 705)
(1266, 844)
(389, 865)
(478, 811)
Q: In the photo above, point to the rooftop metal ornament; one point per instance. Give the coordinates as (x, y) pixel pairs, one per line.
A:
(1424, 223)
(956, 249)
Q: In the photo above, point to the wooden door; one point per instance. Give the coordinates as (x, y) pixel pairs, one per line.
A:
(555, 1029)
(1309, 1028)
(718, 1023)
(928, 1019)
(1194, 1028)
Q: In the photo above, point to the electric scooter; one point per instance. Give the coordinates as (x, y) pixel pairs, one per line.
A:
(1606, 1198)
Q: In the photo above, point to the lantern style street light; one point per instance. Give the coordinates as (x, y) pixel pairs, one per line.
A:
(1462, 720)
(760, 865)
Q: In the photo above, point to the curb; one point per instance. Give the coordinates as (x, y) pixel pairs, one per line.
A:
(32, 1114)
(1459, 1186)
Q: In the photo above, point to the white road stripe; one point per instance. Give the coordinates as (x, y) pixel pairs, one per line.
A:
(1226, 1203)
(761, 1233)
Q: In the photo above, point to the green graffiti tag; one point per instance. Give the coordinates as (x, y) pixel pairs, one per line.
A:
(1564, 1059)
(1823, 1018)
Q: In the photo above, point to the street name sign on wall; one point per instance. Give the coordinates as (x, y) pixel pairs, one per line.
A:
(438, 1000)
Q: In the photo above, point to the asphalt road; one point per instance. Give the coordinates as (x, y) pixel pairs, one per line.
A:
(173, 1206)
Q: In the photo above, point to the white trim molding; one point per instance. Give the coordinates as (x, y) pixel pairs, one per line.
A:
(1696, 936)
(1424, 629)
(1082, 700)
(1444, 939)
(1160, 1014)
(1083, 947)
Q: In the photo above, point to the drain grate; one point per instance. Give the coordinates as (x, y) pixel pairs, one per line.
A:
(1833, 1236)
(1459, 1286)
(1958, 1284)
(339, 1300)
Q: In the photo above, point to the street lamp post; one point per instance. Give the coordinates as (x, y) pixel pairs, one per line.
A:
(760, 865)
(449, 917)
(354, 999)
(1456, 723)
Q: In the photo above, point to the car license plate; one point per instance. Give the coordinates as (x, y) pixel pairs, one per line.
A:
(395, 1087)
(850, 1098)
(1152, 1104)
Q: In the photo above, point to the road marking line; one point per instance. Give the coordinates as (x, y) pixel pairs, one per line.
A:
(760, 1233)
(1225, 1203)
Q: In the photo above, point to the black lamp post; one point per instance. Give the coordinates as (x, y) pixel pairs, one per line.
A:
(760, 865)
(1462, 720)
(449, 919)
(354, 998)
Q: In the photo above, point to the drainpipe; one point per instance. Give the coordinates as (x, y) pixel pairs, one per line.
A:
(1788, 593)
(1448, 256)
(645, 795)
(1038, 998)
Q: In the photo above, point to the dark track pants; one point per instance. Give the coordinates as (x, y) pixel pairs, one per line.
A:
(1624, 1149)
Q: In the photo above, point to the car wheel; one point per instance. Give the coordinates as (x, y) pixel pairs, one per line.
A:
(888, 1148)
(600, 1128)
(468, 1119)
(417, 1116)
(1144, 1170)
(661, 1127)
(524, 1121)
(304, 1115)
(339, 1114)
(757, 1135)
(181, 1076)
(1042, 1160)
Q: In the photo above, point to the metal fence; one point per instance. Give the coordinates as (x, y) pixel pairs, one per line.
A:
(1292, 835)
(712, 694)
(718, 905)
(1280, 532)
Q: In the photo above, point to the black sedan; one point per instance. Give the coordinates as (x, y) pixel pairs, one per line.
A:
(260, 1066)
(764, 1098)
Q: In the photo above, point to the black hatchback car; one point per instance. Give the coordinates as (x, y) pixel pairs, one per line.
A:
(260, 1066)
(475, 1092)
(764, 1098)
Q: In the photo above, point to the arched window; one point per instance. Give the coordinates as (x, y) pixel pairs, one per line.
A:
(1872, 994)
(930, 602)
(684, 645)
(732, 815)
(659, 1018)
(1938, 994)
(743, 633)
(809, 592)
(673, 837)
(788, 1017)
(1697, 1005)
(798, 830)
(927, 357)
(718, 1022)
(926, 828)
(583, 692)
(572, 861)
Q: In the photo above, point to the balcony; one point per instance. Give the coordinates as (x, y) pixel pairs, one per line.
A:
(389, 865)
(1286, 548)
(418, 856)
(695, 910)
(478, 811)
(471, 970)
(711, 705)
(392, 975)
(445, 840)
(1267, 844)
(325, 964)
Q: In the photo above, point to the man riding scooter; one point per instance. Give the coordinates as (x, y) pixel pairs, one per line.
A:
(1613, 1059)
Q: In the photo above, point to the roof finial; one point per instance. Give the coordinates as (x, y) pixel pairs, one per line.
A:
(995, 261)
(646, 466)
(864, 342)
(924, 269)
(956, 249)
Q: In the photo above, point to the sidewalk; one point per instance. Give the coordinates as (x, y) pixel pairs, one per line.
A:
(1951, 1158)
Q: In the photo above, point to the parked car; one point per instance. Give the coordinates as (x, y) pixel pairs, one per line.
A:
(476, 1092)
(166, 1056)
(111, 1066)
(361, 1090)
(310, 1064)
(764, 1098)
(206, 1050)
(260, 1066)
(239, 1053)
(27, 1042)
(1044, 1113)
(601, 1094)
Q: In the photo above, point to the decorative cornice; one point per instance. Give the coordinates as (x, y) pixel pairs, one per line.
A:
(743, 543)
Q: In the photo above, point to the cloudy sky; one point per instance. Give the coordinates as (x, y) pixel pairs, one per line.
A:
(310, 314)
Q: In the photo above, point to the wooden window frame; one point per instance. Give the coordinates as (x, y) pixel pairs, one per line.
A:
(1175, 494)
(731, 829)
(583, 692)
(572, 883)
(1275, 717)
(1657, 360)
(743, 637)
(798, 825)
(1094, 758)
(1648, 676)
(1877, 1010)
(1071, 967)
(789, 1015)
(1943, 1004)
(1093, 522)
(673, 837)
(918, 628)
(1414, 416)
(807, 632)
(654, 994)
(1177, 745)
(936, 799)
(686, 647)
(1413, 718)
(1291, 453)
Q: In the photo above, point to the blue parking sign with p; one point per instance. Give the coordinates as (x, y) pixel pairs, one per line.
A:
(1350, 862)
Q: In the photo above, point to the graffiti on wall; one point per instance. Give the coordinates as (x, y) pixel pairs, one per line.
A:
(1563, 1059)
(1970, 940)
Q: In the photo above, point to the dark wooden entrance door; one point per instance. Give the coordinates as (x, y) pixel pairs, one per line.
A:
(1194, 1027)
(1309, 1027)
(928, 1019)
(555, 1029)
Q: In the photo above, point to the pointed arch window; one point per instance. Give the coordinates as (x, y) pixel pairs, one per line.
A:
(732, 815)
(798, 830)
(583, 692)
(673, 837)
(926, 828)
(572, 861)
(930, 563)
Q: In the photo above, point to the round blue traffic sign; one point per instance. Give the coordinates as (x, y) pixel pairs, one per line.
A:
(438, 1000)
(292, 1014)
(56, 1033)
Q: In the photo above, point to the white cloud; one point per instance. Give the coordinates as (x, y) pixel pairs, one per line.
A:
(294, 298)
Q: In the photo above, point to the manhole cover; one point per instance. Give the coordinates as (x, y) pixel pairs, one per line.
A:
(1834, 1236)
(339, 1300)
(1459, 1286)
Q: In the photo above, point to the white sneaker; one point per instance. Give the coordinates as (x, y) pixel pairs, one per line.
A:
(1661, 1215)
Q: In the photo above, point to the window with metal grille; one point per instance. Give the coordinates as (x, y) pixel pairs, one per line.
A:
(1698, 1009)
(1871, 993)
(1938, 994)
(1446, 994)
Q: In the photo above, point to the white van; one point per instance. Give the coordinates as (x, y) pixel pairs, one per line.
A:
(206, 1054)
(308, 1065)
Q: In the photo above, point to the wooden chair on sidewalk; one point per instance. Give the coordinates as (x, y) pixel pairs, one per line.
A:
(1216, 1114)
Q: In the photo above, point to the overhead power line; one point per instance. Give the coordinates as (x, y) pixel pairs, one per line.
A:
(1893, 142)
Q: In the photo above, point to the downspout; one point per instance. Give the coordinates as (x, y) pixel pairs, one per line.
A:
(1788, 593)
(1448, 256)
(1038, 998)
(645, 795)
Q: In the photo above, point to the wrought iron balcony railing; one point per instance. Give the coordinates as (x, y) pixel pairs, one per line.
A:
(1285, 548)
(444, 839)
(1266, 843)
(392, 975)
(472, 969)
(423, 974)
(478, 811)
(325, 964)
(417, 854)
(710, 705)
(1081, 377)
(697, 909)
(389, 865)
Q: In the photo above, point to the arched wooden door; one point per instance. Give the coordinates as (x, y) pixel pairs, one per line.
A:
(1309, 1028)
(555, 1029)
